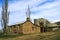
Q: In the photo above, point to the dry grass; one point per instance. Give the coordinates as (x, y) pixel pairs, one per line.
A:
(42, 36)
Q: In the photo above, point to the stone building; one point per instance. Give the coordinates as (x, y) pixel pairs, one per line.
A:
(45, 25)
(26, 27)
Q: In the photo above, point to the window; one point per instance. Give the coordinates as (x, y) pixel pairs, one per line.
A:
(33, 28)
(14, 31)
(14, 26)
(40, 23)
(18, 24)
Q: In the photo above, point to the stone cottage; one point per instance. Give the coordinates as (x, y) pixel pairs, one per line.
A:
(26, 27)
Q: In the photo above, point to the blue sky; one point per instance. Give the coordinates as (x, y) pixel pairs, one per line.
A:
(48, 9)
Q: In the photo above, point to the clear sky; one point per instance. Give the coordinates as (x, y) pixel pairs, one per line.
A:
(48, 9)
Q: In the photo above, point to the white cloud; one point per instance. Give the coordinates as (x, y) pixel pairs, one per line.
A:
(48, 10)
(18, 9)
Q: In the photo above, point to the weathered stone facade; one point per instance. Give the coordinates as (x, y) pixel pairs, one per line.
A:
(25, 28)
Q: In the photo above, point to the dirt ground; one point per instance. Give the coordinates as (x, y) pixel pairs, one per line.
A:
(39, 36)
(31, 36)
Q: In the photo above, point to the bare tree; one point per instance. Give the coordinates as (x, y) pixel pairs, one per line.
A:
(5, 16)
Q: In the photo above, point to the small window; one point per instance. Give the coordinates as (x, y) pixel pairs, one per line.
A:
(40, 23)
(18, 24)
(33, 28)
(14, 31)
(14, 26)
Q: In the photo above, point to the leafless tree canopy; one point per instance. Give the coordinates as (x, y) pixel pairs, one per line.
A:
(5, 15)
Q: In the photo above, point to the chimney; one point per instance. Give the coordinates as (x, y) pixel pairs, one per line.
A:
(35, 21)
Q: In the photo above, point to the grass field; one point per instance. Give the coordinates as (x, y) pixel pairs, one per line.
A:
(41, 36)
